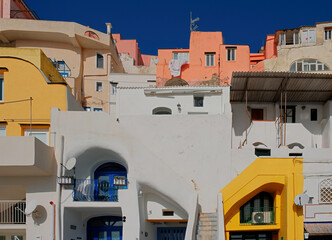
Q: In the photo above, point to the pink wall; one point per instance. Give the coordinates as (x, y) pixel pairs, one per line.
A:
(130, 46)
(196, 72)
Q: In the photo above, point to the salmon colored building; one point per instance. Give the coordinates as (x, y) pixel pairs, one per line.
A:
(208, 61)
(132, 59)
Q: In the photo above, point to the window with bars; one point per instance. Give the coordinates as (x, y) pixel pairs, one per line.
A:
(325, 191)
(209, 59)
(328, 34)
(181, 56)
(231, 51)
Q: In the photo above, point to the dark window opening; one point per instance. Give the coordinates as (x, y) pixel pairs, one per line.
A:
(162, 111)
(290, 114)
(198, 101)
(295, 154)
(313, 114)
(262, 152)
(257, 114)
(168, 212)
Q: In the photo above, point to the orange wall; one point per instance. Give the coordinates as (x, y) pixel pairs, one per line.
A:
(270, 47)
(196, 72)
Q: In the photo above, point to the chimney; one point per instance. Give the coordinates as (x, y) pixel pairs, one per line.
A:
(109, 27)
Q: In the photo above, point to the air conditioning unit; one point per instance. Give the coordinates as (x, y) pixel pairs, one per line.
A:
(262, 217)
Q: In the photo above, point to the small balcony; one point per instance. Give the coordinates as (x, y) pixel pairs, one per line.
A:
(258, 216)
(12, 212)
(95, 190)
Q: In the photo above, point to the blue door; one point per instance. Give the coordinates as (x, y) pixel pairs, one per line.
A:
(171, 233)
(105, 228)
(107, 180)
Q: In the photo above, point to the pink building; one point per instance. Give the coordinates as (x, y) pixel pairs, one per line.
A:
(208, 61)
(16, 9)
(130, 46)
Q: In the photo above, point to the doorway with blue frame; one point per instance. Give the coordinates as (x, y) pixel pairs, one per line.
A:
(108, 178)
(105, 228)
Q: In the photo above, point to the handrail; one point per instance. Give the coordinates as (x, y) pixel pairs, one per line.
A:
(12, 212)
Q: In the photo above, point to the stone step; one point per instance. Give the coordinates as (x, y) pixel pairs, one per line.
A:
(208, 214)
(207, 235)
(207, 228)
(207, 223)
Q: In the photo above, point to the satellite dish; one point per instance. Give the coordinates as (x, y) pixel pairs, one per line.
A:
(301, 199)
(31, 207)
(70, 163)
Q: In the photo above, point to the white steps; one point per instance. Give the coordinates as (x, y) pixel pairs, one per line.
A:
(207, 226)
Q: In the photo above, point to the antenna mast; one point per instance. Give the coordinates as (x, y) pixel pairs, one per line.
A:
(193, 25)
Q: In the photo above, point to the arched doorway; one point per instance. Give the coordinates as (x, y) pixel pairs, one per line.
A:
(105, 228)
(108, 178)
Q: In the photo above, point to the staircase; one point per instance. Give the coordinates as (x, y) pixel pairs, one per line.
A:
(207, 227)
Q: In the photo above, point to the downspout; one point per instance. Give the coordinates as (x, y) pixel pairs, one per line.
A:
(58, 190)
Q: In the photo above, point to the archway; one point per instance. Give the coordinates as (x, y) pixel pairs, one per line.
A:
(105, 228)
(108, 178)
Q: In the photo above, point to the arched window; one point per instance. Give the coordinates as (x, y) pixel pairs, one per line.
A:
(162, 111)
(308, 65)
(325, 191)
(108, 178)
(258, 210)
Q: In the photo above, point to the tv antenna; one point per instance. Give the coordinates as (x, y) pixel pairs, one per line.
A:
(193, 25)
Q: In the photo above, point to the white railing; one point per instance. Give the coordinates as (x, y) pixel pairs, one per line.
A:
(12, 212)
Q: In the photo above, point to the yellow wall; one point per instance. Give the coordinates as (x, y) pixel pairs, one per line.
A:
(280, 177)
(23, 80)
(37, 58)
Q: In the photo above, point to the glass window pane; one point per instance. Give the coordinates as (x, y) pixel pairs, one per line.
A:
(1, 88)
(326, 68)
(175, 56)
(115, 235)
(41, 136)
(2, 132)
(312, 67)
(299, 66)
(102, 235)
(305, 67)
(2, 237)
(292, 68)
(16, 237)
(319, 67)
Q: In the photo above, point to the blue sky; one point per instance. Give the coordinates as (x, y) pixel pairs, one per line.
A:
(158, 25)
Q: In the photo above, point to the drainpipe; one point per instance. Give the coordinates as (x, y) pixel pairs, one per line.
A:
(58, 189)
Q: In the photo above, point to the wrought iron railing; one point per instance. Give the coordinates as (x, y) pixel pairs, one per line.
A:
(92, 190)
(12, 212)
(258, 216)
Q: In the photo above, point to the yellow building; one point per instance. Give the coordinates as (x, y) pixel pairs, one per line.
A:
(259, 202)
(29, 87)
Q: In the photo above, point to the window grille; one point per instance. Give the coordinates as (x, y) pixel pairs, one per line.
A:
(325, 191)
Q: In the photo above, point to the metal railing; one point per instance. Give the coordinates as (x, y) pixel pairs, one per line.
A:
(12, 212)
(258, 216)
(92, 190)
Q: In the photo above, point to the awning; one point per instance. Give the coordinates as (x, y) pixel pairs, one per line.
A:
(318, 228)
(268, 86)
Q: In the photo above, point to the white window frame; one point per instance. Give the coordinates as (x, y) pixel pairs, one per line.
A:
(2, 87)
(210, 59)
(328, 34)
(39, 130)
(181, 55)
(114, 88)
(101, 86)
(3, 127)
(308, 31)
(231, 54)
(282, 38)
(101, 67)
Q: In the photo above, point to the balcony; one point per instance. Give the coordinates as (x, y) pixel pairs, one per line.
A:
(62, 67)
(25, 156)
(12, 212)
(93, 190)
(258, 216)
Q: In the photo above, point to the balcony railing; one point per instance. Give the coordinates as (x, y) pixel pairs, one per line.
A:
(92, 190)
(12, 212)
(258, 216)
